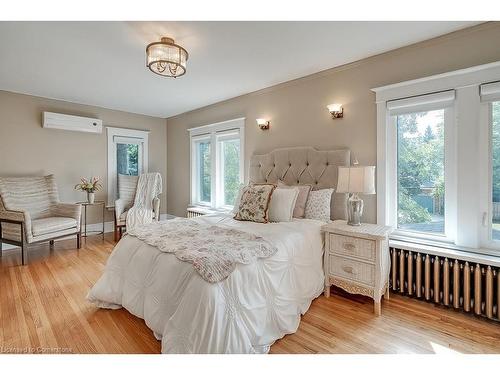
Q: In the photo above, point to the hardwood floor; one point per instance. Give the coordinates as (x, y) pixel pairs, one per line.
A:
(43, 309)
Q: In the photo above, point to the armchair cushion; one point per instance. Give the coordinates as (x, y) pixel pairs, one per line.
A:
(52, 225)
(70, 210)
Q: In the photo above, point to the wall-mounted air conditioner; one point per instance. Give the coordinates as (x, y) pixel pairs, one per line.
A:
(74, 123)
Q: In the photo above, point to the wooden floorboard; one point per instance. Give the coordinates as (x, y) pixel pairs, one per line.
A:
(43, 309)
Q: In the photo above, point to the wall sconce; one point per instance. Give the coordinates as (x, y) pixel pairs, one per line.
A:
(263, 124)
(336, 110)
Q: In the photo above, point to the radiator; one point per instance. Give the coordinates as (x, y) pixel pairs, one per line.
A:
(194, 213)
(470, 287)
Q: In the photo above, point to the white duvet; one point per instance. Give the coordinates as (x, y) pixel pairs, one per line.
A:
(245, 313)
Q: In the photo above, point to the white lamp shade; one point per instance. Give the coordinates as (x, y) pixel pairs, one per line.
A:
(335, 107)
(356, 180)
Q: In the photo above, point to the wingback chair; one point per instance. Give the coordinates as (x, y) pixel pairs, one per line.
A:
(30, 212)
(127, 186)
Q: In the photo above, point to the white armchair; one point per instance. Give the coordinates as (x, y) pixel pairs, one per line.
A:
(127, 186)
(30, 212)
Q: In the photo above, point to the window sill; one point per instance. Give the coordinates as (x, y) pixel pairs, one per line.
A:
(443, 249)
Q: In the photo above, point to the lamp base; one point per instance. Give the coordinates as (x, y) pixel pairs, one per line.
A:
(354, 210)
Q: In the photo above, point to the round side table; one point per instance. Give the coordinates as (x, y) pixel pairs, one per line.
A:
(84, 217)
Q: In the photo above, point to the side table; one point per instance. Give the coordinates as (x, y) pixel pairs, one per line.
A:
(84, 216)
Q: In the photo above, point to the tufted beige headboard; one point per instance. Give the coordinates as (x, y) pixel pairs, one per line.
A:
(303, 165)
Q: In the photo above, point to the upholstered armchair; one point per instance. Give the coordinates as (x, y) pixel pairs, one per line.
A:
(30, 212)
(127, 186)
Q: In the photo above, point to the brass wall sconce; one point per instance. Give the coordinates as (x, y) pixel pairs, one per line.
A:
(336, 110)
(263, 124)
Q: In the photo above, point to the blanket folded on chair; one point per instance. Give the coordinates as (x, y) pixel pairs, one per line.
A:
(149, 187)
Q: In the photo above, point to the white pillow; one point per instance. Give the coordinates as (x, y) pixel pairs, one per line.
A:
(318, 204)
(282, 204)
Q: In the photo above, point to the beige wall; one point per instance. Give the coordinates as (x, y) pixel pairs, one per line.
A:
(28, 149)
(297, 109)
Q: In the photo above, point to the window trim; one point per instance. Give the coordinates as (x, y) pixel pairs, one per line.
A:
(214, 132)
(467, 147)
(139, 136)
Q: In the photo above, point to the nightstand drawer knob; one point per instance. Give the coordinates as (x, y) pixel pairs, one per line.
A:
(349, 246)
(348, 269)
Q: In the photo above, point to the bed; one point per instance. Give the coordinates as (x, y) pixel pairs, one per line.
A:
(259, 302)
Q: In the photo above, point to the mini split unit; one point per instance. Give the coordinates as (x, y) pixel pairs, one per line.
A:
(73, 123)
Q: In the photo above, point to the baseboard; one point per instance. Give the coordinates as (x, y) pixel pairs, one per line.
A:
(109, 227)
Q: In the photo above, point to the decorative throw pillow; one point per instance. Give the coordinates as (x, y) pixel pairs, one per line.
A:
(254, 203)
(282, 204)
(318, 204)
(300, 205)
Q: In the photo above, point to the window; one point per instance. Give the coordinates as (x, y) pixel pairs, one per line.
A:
(495, 171)
(216, 163)
(421, 171)
(490, 165)
(422, 165)
(204, 171)
(127, 154)
(438, 159)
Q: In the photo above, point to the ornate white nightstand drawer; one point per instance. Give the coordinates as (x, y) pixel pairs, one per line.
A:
(352, 270)
(351, 246)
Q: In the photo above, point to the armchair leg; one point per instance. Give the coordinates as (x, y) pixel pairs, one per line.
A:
(51, 244)
(1, 242)
(79, 240)
(24, 247)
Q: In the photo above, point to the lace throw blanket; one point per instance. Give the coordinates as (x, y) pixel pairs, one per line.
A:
(212, 250)
(149, 187)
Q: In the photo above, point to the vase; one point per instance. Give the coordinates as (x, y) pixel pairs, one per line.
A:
(91, 198)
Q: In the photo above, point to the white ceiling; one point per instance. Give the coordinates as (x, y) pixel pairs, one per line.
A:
(103, 63)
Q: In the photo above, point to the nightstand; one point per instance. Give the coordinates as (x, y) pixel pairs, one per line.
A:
(357, 259)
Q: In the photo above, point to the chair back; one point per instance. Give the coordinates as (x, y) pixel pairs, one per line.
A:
(33, 194)
(127, 186)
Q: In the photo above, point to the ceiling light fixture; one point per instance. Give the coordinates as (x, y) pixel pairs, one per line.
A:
(166, 58)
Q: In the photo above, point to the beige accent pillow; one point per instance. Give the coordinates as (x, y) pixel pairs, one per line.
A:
(254, 203)
(299, 210)
(282, 204)
(319, 204)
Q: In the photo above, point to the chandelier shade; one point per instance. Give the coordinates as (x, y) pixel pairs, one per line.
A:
(166, 58)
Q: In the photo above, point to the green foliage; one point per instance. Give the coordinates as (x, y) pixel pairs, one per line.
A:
(420, 164)
(231, 170)
(205, 171)
(410, 211)
(133, 158)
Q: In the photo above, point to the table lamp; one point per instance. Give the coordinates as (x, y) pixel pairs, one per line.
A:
(356, 180)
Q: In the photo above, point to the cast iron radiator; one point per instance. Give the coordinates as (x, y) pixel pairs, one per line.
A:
(471, 287)
(193, 213)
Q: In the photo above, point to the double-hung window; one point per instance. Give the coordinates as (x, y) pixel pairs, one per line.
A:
(216, 163)
(127, 154)
(421, 130)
